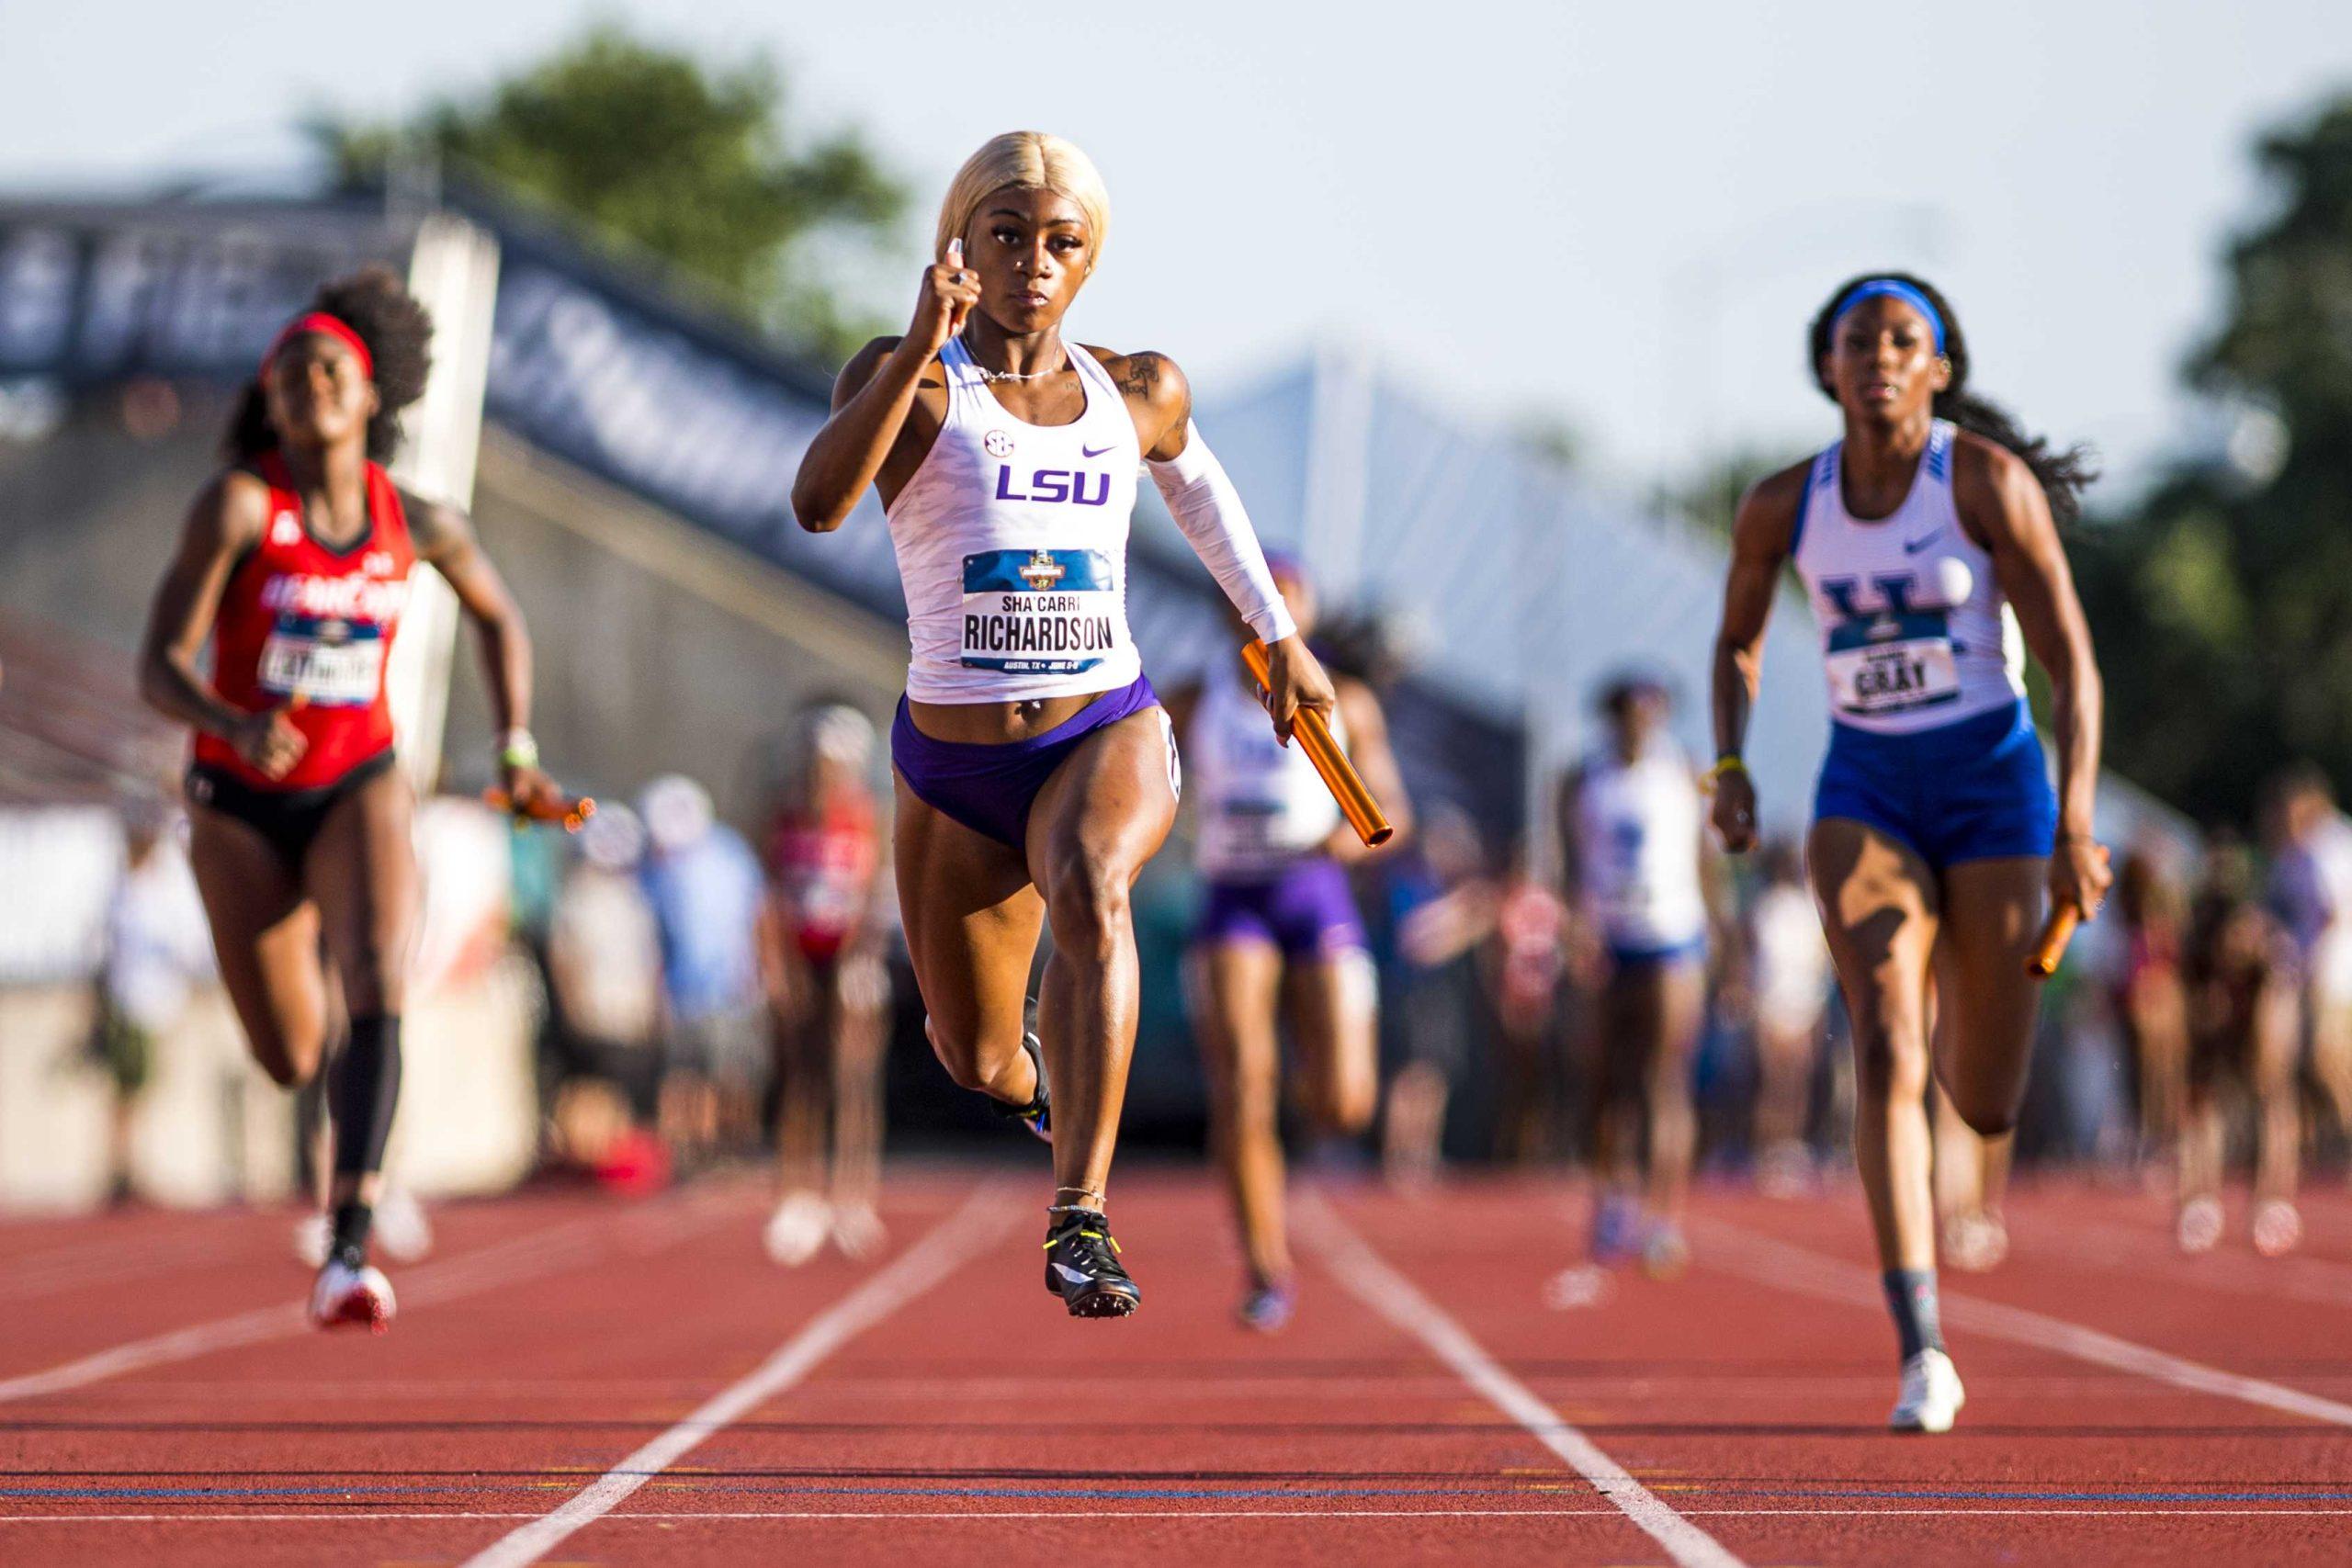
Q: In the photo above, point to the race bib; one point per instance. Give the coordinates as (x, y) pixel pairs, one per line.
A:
(1040, 612)
(1894, 676)
(332, 670)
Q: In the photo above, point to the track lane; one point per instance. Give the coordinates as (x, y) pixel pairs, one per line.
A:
(1172, 1438)
(980, 1425)
(1758, 1412)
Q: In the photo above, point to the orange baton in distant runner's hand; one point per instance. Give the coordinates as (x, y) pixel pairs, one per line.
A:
(573, 814)
(1339, 775)
(2056, 932)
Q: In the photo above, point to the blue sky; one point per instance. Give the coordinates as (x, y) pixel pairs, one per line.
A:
(1618, 216)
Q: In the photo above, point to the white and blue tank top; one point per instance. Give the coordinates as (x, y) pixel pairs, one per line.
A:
(1916, 633)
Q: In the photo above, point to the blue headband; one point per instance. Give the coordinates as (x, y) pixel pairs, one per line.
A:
(1891, 288)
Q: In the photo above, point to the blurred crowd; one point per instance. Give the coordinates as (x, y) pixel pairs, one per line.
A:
(712, 995)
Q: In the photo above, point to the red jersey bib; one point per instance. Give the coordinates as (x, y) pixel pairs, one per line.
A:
(822, 863)
(299, 619)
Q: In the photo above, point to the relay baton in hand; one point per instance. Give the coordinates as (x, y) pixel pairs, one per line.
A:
(573, 814)
(2056, 932)
(1339, 775)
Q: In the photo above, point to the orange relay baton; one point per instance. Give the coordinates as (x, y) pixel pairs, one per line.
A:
(2056, 932)
(1339, 775)
(573, 814)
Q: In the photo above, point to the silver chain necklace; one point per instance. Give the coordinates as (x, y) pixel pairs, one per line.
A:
(987, 374)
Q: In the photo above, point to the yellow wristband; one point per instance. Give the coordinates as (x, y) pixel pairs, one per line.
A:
(1730, 763)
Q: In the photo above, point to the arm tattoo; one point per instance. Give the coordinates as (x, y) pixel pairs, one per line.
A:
(1140, 377)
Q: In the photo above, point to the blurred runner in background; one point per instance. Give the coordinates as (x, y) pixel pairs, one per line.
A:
(157, 951)
(705, 890)
(2244, 978)
(1632, 831)
(1441, 911)
(1789, 989)
(1279, 938)
(828, 994)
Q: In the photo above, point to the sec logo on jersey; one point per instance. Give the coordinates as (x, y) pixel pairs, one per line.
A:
(997, 444)
(284, 529)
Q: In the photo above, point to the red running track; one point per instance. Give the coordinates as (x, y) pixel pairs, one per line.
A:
(575, 1381)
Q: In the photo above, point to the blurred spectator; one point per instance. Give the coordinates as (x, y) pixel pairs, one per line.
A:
(157, 949)
(705, 890)
(1525, 962)
(2244, 1018)
(605, 968)
(1788, 988)
(828, 991)
(2311, 892)
(1440, 909)
(2151, 1003)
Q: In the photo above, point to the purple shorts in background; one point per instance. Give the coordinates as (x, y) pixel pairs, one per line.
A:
(1305, 910)
(990, 788)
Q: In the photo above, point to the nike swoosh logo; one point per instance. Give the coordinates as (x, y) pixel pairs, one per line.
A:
(1913, 547)
(1096, 451)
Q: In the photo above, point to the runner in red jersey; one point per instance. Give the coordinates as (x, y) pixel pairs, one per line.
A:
(828, 991)
(294, 564)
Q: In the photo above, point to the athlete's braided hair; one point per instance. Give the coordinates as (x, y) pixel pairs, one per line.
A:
(2063, 474)
(398, 332)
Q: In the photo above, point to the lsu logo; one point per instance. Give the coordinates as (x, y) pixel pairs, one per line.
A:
(1056, 485)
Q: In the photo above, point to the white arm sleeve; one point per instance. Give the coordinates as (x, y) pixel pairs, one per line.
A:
(1209, 510)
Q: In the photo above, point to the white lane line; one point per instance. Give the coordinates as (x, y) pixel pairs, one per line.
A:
(158, 1255)
(2153, 1253)
(1389, 1293)
(537, 1253)
(942, 1249)
(1788, 1267)
(1329, 1516)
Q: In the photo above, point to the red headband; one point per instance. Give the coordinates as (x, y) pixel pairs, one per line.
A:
(329, 326)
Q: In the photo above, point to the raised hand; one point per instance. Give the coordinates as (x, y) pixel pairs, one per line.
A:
(950, 289)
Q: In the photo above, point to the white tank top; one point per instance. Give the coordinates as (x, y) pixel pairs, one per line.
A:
(1638, 848)
(1915, 630)
(1261, 803)
(1011, 541)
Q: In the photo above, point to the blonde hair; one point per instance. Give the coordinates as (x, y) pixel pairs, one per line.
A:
(1026, 160)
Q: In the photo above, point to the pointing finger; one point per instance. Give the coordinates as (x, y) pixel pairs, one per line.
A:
(956, 253)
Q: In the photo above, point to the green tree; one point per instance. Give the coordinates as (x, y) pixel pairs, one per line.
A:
(1708, 498)
(652, 148)
(2222, 602)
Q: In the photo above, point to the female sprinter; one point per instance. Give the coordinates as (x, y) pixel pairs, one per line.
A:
(1280, 926)
(1633, 835)
(1036, 770)
(1924, 538)
(294, 563)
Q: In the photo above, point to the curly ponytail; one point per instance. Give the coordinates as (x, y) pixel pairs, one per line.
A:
(2063, 474)
(398, 332)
